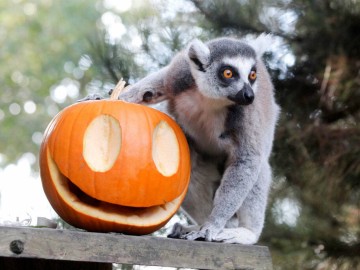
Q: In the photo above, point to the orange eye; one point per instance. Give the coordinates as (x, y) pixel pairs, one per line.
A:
(252, 75)
(227, 73)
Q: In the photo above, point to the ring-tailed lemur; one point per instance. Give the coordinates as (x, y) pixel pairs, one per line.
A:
(221, 94)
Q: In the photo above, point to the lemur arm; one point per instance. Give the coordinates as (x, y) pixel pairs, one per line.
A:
(161, 85)
(238, 179)
(149, 90)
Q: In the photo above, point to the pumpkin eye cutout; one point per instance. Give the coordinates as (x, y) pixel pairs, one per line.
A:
(165, 149)
(252, 75)
(102, 143)
(227, 73)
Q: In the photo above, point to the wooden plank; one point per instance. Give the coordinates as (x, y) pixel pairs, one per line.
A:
(141, 250)
(9, 263)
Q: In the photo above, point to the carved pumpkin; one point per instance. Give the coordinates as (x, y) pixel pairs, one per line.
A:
(110, 165)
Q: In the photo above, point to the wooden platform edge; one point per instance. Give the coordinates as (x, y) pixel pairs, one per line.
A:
(53, 244)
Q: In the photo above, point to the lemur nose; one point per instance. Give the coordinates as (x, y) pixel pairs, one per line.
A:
(249, 96)
(244, 97)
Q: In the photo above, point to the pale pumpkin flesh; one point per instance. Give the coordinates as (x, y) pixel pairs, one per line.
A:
(165, 149)
(102, 142)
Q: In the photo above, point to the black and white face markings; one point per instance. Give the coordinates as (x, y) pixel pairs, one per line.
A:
(228, 73)
(233, 66)
(238, 76)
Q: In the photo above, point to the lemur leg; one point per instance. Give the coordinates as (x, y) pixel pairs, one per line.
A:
(251, 214)
(236, 183)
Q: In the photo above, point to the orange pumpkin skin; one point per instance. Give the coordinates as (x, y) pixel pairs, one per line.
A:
(132, 196)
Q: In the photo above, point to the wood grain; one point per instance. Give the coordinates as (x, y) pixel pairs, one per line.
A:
(81, 246)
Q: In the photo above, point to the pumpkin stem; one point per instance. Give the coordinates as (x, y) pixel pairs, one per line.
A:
(118, 89)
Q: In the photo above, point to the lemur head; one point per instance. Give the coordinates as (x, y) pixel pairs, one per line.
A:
(226, 68)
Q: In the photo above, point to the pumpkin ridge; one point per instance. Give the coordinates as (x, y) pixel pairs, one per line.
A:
(49, 130)
(94, 175)
(75, 118)
(122, 149)
(55, 141)
(149, 127)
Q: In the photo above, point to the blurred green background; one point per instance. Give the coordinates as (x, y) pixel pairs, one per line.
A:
(55, 52)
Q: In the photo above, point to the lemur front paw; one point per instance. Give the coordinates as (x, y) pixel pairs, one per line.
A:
(196, 235)
(239, 235)
(206, 233)
(91, 97)
(143, 94)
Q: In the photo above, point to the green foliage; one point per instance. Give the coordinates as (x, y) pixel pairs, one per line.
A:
(38, 39)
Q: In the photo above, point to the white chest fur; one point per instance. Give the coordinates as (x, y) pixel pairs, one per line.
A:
(203, 119)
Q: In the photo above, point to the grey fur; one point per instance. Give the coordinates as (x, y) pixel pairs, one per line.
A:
(229, 47)
(230, 143)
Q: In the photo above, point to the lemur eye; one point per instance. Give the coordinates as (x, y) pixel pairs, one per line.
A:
(228, 74)
(252, 75)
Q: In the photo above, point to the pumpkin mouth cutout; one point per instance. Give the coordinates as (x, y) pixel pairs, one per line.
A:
(86, 205)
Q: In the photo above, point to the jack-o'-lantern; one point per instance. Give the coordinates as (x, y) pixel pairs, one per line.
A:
(109, 165)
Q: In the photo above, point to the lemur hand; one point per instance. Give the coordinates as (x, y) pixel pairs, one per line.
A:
(207, 232)
(91, 97)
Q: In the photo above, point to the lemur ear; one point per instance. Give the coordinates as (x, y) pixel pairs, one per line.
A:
(199, 55)
(261, 44)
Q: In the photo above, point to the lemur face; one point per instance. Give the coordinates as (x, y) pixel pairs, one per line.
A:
(225, 69)
(235, 79)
